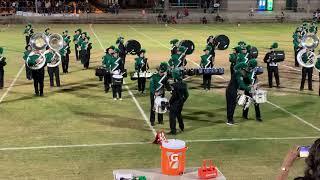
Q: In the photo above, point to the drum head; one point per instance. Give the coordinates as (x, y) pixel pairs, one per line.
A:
(223, 41)
(133, 47)
(117, 76)
(188, 44)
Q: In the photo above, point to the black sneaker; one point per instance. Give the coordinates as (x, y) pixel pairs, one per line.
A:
(152, 124)
(259, 119)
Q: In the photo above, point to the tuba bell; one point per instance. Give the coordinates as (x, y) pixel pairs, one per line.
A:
(56, 60)
(310, 41)
(55, 42)
(40, 62)
(38, 41)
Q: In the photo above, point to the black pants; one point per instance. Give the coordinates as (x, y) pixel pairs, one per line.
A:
(152, 112)
(27, 40)
(256, 107)
(38, 78)
(54, 72)
(141, 84)
(107, 82)
(305, 72)
(76, 51)
(295, 58)
(28, 73)
(65, 63)
(231, 96)
(273, 70)
(1, 78)
(87, 62)
(231, 70)
(206, 81)
(123, 58)
(175, 113)
(84, 58)
(116, 91)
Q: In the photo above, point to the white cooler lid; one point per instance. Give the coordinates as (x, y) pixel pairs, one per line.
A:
(174, 144)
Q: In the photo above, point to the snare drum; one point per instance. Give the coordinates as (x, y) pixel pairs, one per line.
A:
(161, 104)
(260, 96)
(117, 79)
(101, 71)
(244, 100)
(259, 70)
(208, 71)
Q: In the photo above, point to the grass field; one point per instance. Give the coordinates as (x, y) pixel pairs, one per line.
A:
(115, 134)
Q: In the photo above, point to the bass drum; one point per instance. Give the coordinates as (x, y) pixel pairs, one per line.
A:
(222, 41)
(133, 47)
(189, 45)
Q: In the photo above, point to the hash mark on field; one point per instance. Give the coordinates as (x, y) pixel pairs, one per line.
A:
(130, 92)
(12, 83)
(143, 143)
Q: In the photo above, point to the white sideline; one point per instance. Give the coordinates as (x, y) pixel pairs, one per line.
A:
(131, 94)
(154, 40)
(12, 83)
(142, 143)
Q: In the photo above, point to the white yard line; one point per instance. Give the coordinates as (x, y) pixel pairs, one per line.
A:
(142, 143)
(295, 116)
(12, 83)
(131, 94)
(163, 45)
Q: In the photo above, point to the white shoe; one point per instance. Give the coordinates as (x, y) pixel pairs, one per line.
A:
(230, 124)
(120, 99)
(115, 99)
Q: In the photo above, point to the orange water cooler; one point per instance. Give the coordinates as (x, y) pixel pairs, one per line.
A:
(173, 157)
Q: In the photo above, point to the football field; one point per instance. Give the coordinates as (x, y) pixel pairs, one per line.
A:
(79, 132)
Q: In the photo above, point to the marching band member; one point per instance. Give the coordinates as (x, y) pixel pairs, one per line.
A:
(25, 56)
(211, 42)
(179, 96)
(83, 53)
(206, 62)
(2, 64)
(115, 68)
(158, 83)
(141, 65)
(175, 45)
(64, 52)
(76, 39)
(28, 32)
(251, 80)
(88, 52)
(65, 34)
(233, 60)
(106, 63)
(52, 71)
(178, 60)
(272, 66)
(235, 83)
(296, 46)
(306, 71)
(47, 32)
(122, 48)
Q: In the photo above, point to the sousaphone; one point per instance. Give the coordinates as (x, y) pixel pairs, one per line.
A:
(222, 42)
(40, 62)
(38, 41)
(133, 47)
(309, 42)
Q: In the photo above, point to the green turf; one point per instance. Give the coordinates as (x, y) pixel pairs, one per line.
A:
(81, 113)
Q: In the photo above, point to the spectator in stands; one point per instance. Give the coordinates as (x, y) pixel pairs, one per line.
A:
(204, 20)
(186, 12)
(159, 18)
(173, 20)
(251, 11)
(219, 18)
(48, 7)
(312, 171)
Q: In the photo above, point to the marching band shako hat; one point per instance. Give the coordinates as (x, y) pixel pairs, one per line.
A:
(182, 49)
(163, 67)
(274, 45)
(111, 47)
(209, 48)
(29, 25)
(65, 31)
(176, 74)
(85, 33)
(240, 66)
(116, 50)
(174, 41)
(141, 51)
(79, 30)
(242, 43)
(1, 50)
(119, 40)
(252, 63)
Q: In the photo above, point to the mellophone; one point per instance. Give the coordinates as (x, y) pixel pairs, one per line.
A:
(259, 97)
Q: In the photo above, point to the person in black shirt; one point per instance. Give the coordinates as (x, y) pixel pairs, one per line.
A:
(272, 66)
(179, 96)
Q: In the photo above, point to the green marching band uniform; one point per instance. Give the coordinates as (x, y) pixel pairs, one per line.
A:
(53, 72)
(46, 32)
(178, 60)
(65, 52)
(122, 49)
(158, 83)
(272, 66)
(25, 56)
(179, 96)
(2, 64)
(28, 32)
(76, 39)
(175, 45)
(84, 47)
(236, 83)
(141, 66)
(106, 59)
(115, 64)
(306, 71)
(206, 62)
